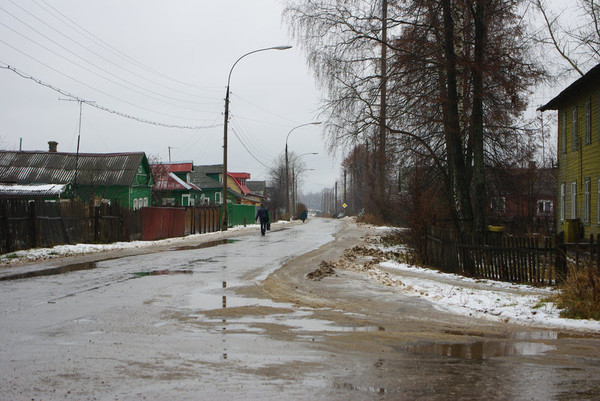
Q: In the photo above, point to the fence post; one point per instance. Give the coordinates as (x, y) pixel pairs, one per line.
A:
(6, 226)
(561, 259)
(96, 223)
(33, 223)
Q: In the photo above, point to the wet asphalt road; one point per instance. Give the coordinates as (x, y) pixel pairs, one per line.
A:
(222, 320)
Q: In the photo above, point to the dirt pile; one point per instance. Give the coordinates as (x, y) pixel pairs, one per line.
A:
(325, 270)
(359, 259)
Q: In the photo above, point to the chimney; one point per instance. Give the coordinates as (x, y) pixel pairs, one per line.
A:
(52, 146)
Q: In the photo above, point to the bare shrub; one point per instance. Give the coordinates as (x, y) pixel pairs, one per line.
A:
(580, 294)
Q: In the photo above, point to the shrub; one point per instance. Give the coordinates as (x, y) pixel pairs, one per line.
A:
(580, 294)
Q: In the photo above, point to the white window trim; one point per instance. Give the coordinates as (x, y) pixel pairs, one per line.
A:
(574, 200)
(588, 122)
(587, 200)
(563, 201)
(218, 197)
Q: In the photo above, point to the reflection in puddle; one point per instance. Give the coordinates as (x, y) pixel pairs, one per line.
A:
(208, 244)
(165, 272)
(479, 349)
(51, 271)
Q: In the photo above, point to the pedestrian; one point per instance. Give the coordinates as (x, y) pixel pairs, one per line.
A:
(263, 215)
(304, 215)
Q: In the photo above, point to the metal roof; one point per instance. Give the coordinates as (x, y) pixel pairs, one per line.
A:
(590, 79)
(31, 190)
(200, 178)
(59, 168)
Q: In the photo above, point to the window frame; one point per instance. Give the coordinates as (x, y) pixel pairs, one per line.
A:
(587, 200)
(574, 199)
(563, 130)
(563, 199)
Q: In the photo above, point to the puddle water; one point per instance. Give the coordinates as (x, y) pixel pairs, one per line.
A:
(51, 271)
(165, 272)
(479, 350)
(208, 244)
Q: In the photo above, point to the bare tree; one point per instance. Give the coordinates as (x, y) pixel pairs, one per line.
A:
(575, 39)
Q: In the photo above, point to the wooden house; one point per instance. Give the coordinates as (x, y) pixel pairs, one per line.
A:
(578, 148)
(173, 186)
(123, 178)
(209, 178)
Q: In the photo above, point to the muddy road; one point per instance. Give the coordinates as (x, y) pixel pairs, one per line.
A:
(238, 319)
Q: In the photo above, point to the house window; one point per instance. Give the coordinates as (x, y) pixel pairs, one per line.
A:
(135, 204)
(587, 189)
(574, 200)
(544, 207)
(145, 202)
(563, 198)
(574, 129)
(563, 133)
(218, 198)
(498, 204)
(588, 122)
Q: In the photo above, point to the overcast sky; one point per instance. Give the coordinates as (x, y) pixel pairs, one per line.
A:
(166, 62)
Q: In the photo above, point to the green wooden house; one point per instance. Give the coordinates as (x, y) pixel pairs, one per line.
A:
(173, 186)
(578, 196)
(123, 178)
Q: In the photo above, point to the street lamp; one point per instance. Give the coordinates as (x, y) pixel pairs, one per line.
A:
(224, 221)
(287, 171)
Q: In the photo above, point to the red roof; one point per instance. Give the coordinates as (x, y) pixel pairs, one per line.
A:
(237, 177)
(178, 167)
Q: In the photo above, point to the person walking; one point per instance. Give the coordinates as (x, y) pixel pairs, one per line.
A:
(304, 215)
(263, 215)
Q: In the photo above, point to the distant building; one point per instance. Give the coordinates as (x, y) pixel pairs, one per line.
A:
(578, 148)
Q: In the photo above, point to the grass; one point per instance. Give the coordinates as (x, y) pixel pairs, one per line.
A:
(11, 256)
(579, 297)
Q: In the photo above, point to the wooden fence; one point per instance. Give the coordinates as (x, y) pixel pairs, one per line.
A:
(31, 224)
(515, 259)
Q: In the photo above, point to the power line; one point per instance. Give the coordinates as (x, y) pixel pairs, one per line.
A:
(86, 85)
(90, 36)
(94, 65)
(99, 107)
(248, 150)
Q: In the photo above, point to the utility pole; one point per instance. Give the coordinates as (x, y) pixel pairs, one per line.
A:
(80, 101)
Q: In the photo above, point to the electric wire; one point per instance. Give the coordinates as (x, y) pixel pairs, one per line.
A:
(97, 106)
(90, 36)
(248, 150)
(97, 67)
(89, 86)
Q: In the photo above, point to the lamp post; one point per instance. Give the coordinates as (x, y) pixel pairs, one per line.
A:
(287, 171)
(224, 221)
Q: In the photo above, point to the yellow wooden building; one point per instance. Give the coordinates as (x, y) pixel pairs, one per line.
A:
(578, 196)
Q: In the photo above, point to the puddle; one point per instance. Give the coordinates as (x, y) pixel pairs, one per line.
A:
(165, 272)
(208, 244)
(51, 271)
(479, 350)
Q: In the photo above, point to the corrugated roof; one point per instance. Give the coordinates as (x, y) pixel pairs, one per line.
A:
(590, 79)
(200, 178)
(32, 190)
(59, 168)
(257, 187)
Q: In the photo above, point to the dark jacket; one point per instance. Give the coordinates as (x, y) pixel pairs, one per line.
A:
(263, 214)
